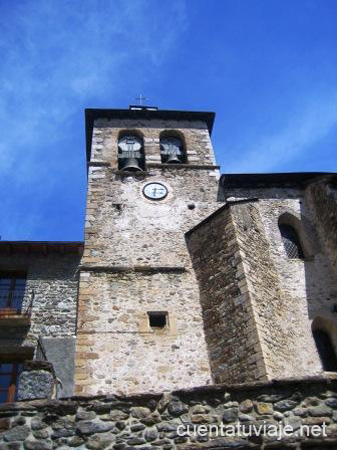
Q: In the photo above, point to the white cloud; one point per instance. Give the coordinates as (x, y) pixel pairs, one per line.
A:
(59, 56)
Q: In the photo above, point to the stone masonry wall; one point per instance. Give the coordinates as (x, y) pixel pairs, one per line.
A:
(195, 136)
(261, 281)
(323, 197)
(156, 421)
(309, 286)
(136, 261)
(116, 349)
(125, 228)
(230, 326)
(54, 280)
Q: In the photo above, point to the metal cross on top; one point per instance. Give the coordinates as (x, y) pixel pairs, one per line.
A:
(141, 99)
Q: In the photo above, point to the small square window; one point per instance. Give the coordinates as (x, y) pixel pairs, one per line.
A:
(158, 319)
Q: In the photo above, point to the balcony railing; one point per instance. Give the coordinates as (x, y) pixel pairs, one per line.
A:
(40, 352)
(16, 303)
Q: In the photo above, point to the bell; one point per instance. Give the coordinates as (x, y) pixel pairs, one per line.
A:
(173, 159)
(131, 165)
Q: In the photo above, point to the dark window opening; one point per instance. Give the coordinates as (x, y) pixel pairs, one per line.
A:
(12, 291)
(325, 350)
(157, 319)
(291, 242)
(9, 373)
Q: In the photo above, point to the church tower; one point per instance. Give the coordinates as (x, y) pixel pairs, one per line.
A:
(152, 177)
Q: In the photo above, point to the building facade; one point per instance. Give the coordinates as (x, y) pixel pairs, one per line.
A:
(186, 277)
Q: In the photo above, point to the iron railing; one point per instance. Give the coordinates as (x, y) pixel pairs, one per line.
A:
(40, 353)
(18, 302)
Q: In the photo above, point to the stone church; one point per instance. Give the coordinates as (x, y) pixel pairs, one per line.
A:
(186, 277)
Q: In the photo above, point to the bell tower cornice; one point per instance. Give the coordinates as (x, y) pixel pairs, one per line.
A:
(143, 113)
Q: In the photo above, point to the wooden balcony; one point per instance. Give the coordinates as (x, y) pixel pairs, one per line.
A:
(15, 308)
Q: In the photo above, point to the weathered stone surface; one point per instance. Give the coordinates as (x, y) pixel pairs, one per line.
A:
(140, 412)
(285, 405)
(246, 406)
(277, 415)
(206, 406)
(151, 434)
(36, 384)
(320, 410)
(19, 433)
(18, 420)
(230, 415)
(246, 418)
(293, 421)
(137, 427)
(54, 280)
(37, 445)
(40, 434)
(75, 441)
(135, 270)
(118, 415)
(177, 408)
(86, 415)
(264, 408)
(11, 446)
(332, 403)
(86, 427)
(37, 424)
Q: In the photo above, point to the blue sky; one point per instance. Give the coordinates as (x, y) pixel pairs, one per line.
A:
(268, 68)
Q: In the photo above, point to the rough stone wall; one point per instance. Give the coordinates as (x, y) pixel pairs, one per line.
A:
(195, 135)
(136, 261)
(118, 352)
(54, 280)
(230, 326)
(323, 197)
(261, 281)
(37, 381)
(308, 286)
(125, 228)
(155, 421)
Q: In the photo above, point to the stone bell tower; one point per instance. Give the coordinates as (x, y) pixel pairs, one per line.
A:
(152, 177)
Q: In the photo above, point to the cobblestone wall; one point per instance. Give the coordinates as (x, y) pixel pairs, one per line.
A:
(156, 421)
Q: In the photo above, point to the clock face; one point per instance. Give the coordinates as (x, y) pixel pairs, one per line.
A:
(155, 191)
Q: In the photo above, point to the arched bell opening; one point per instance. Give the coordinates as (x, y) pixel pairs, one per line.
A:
(131, 156)
(172, 148)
